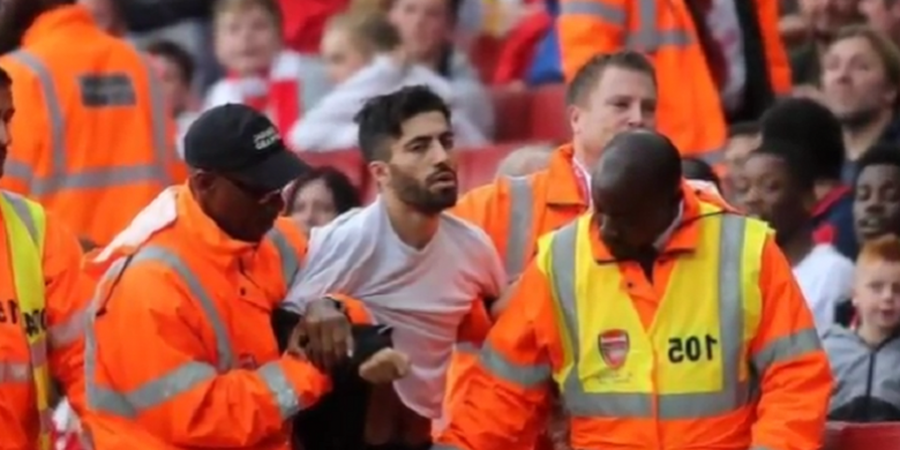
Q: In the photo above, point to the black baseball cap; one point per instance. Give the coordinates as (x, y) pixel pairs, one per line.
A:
(236, 140)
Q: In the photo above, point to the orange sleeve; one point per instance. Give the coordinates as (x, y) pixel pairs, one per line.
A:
(178, 394)
(587, 28)
(68, 293)
(787, 355)
(28, 129)
(776, 55)
(504, 402)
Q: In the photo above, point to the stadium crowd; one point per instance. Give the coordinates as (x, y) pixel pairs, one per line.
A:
(784, 111)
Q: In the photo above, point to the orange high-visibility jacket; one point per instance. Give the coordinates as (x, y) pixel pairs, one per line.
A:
(179, 349)
(92, 140)
(777, 398)
(689, 109)
(66, 296)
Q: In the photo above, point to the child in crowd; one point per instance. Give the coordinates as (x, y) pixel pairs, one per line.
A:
(427, 32)
(364, 58)
(865, 358)
(260, 72)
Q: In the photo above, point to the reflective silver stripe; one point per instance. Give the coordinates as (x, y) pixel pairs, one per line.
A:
(284, 395)
(786, 348)
(734, 394)
(101, 398)
(290, 261)
(20, 206)
(761, 447)
(600, 10)
(15, 372)
(445, 447)
(648, 37)
(153, 393)
(467, 347)
(525, 376)
(68, 331)
(521, 220)
(59, 178)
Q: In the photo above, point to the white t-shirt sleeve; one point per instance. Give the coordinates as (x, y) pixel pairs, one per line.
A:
(335, 254)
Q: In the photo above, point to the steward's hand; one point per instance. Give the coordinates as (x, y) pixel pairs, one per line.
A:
(327, 334)
(384, 366)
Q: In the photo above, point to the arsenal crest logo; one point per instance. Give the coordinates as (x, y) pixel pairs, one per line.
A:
(613, 347)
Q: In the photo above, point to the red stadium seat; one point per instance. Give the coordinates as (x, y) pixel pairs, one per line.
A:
(873, 436)
(548, 119)
(512, 109)
(348, 161)
(477, 166)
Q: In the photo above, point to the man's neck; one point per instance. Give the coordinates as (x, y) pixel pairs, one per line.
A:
(858, 139)
(797, 247)
(412, 227)
(586, 158)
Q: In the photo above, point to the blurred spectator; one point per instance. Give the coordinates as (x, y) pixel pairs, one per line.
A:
(860, 82)
(364, 57)
(743, 138)
(186, 22)
(525, 161)
(696, 169)
(282, 83)
(823, 19)
(812, 128)
(175, 68)
(426, 30)
(884, 16)
(107, 15)
(876, 206)
(781, 191)
(864, 360)
(319, 196)
(732, 65)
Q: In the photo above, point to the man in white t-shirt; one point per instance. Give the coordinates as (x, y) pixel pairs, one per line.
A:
(780, 190)
(418, 269)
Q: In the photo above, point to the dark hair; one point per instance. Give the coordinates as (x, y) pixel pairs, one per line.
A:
(749, 128)
(5, 79)
(175, 53)
(381, 118)
(698, 169)
(811, 127)
(797, 160)
(878, 155)
(343, 193)
(589, 74)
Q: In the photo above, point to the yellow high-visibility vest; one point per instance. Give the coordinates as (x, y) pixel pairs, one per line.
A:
(25, 224)
(693, 360)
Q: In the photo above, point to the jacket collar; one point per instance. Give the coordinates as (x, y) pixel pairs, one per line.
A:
(59, 17)
(564, 187)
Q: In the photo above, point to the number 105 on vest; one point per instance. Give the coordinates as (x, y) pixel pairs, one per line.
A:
(692, 349)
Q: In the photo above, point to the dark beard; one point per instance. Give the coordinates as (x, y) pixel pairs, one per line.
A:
(417, 195)
(15, 18)
(858, 120)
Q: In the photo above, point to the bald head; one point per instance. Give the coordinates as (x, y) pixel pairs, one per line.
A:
(638, 159)
(636, 188)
